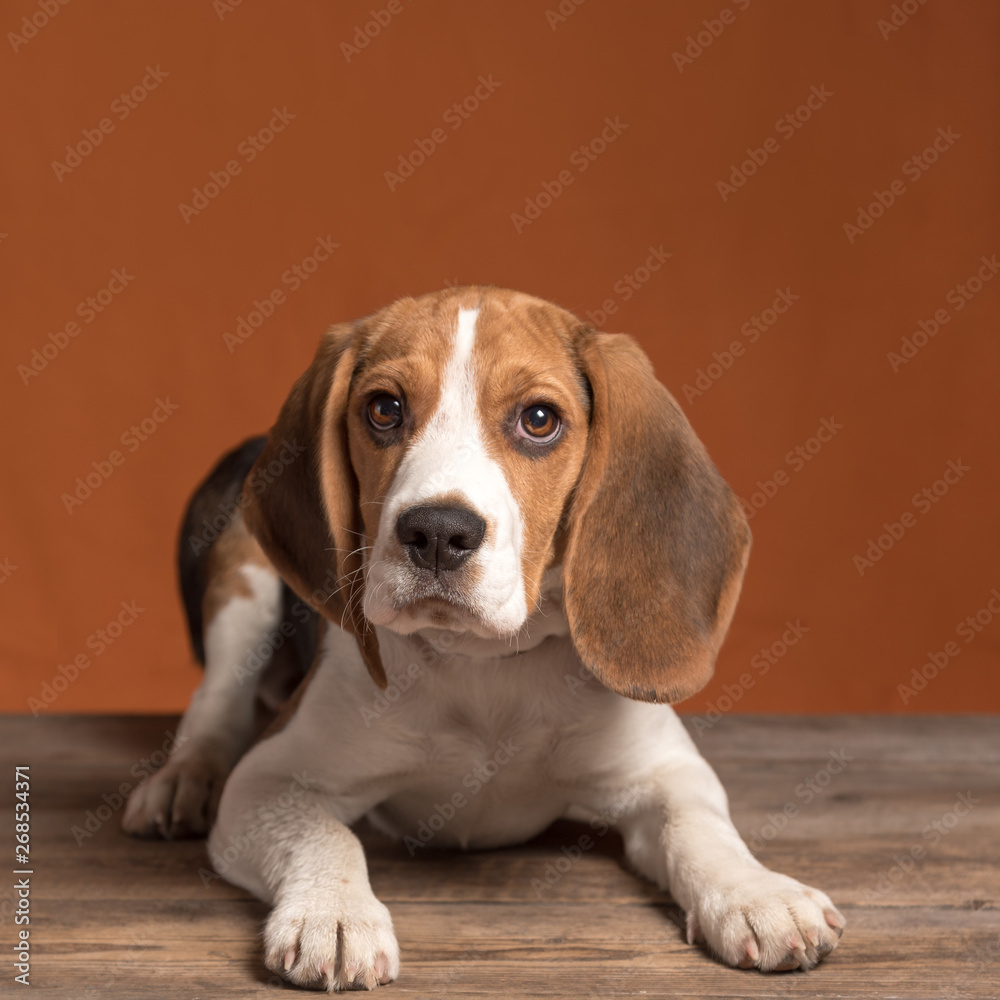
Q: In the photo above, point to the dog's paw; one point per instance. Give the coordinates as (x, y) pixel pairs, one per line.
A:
(760, 919)
(179, 800)
(332, 943)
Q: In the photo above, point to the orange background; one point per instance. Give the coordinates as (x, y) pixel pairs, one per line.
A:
(450, 221)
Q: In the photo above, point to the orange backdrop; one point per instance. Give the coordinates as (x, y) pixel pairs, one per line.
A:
(792, 206)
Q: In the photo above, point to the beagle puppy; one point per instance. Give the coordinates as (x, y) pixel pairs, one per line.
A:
(497, 546)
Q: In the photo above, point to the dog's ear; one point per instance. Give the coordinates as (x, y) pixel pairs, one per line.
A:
(303, 494)
(657, 543)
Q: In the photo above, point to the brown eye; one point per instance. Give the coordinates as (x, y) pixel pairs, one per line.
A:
(385, 412)
(539, 423)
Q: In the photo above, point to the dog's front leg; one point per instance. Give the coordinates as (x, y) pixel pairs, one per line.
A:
(285, 839)
(681, 837)
(182, 797)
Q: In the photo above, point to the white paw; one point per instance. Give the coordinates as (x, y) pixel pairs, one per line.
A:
(759, 919)
(179, 800)
(335, 943)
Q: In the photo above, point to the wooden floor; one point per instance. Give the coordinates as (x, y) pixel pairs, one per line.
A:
(114, 917)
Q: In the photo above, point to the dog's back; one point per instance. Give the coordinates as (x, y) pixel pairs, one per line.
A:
(213, 514)
(209, 515)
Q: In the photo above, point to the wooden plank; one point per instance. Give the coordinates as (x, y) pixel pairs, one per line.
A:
(553, 949)
(116, 917)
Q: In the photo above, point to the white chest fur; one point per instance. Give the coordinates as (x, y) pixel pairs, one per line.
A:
(470, 750)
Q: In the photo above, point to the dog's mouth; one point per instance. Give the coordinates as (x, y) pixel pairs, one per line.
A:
(406, 599)
(440, 612)
(413, 612)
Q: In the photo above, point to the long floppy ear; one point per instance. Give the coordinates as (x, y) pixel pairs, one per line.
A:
(657, 543)
(303, 506)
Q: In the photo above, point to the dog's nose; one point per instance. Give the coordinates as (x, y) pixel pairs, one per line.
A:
(440, 538)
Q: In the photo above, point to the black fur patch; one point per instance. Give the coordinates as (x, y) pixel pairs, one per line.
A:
(208, 514)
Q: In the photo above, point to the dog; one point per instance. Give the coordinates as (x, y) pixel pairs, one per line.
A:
(499, 516)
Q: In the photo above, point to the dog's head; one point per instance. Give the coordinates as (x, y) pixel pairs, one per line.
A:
(453, 448)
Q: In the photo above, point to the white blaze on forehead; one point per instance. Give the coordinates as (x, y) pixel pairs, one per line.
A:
(449, 456)
(465, 339)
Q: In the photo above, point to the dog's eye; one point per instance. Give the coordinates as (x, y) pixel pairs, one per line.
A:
(539, 423)
(385, 412)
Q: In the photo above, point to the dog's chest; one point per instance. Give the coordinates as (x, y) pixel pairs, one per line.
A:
(486, 748)
(474, 793)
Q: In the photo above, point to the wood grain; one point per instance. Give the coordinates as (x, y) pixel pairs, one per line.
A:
(115, 918)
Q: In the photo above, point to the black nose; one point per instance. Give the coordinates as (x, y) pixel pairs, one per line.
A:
(440, 538)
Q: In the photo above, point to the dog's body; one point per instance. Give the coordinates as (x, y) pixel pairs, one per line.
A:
(504, 520)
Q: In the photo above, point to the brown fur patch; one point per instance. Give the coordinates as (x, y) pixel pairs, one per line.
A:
(234, 549)
(658, 544)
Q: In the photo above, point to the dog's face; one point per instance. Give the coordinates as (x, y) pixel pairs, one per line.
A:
(467, 428)
(459, 445)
